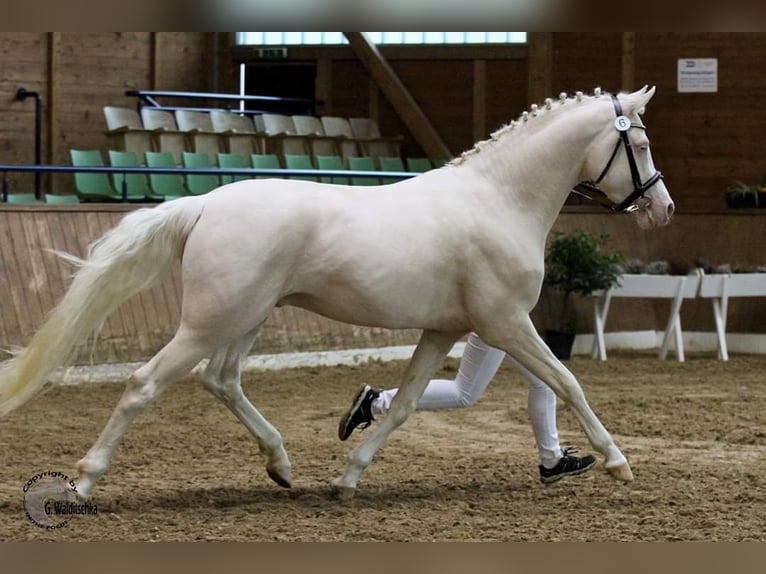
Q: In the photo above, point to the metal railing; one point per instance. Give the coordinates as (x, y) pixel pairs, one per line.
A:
(253, 172)
(149, 98)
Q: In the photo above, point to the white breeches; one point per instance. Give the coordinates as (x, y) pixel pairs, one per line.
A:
(478, 365)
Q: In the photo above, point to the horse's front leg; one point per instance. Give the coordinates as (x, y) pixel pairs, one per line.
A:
(520, 340)
(431, 350)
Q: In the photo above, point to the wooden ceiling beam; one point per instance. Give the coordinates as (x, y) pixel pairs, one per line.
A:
(398, 96)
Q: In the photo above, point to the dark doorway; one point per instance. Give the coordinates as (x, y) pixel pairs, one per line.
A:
(293, 80)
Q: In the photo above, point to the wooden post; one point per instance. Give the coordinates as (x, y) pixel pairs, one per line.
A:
(628, 61)
(539, 66)
(479, 100)
(398, 95)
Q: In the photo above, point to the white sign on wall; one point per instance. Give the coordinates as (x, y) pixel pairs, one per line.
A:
(698, 74)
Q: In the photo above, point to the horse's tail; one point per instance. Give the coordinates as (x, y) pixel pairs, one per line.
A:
(121, 263)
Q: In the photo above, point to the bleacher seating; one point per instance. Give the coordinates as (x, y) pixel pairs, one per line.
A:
(92, 186)
(419, 164)
(196, 138)
(199, 184)
(167, 185)
(61, 199)
(165, 132)
(363, 163)
(390, 164)
(367, 133)
(22, 198)
(319, 143)
(282, 136)
(265, 161)
(198, 128)
(332, 162)
(126, 132)
(238, 133)
(232, 161)
(340, 128)
(300, 161)
(137, 183)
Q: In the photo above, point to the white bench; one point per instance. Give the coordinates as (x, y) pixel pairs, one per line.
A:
(719, 288)
(673, 287)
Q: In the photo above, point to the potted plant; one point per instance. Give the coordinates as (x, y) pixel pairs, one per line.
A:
(576, 264)
(742, 195)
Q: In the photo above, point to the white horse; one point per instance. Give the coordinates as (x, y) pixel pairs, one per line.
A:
(454, 250)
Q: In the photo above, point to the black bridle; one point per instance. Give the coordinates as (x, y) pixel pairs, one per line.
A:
(585, 188)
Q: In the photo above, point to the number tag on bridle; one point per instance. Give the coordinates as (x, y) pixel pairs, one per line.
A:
(622, 123)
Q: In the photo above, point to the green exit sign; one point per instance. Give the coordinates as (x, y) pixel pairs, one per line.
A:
(272, 52)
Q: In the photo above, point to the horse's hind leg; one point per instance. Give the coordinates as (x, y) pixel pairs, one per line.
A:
(431, 350)
(174, 361)
(222, 378)
(521, 341)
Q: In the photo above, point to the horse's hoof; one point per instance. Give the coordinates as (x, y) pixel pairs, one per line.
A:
(342, 492)
(281, 474)
(621, 472)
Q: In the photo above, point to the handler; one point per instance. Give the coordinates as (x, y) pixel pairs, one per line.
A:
(478, 365)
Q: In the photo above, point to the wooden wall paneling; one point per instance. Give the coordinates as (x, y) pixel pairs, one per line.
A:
(52, 104)
(154, 63)
(28, 311)
(22, 59)
(11, 327)
(628, 83)
(445, 91)
(373, 102)
(399, 96)
(585, 60)
(479, 100)
(323, 89)
(539, 66)
(506, 92)
(40, 283)
(350, 88)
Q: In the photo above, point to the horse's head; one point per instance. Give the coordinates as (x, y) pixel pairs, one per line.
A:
(619, 163)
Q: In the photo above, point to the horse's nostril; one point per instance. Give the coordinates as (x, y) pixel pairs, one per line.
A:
(671, 209)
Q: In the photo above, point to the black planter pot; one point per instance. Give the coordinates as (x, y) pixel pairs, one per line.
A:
(560, 343)
(750, 200)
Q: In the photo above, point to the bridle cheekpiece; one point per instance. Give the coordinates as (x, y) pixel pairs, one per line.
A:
(622, 124)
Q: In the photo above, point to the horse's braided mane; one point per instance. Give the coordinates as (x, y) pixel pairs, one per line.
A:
(535, 110)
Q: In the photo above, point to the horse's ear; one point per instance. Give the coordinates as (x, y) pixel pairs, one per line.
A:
(639, 99)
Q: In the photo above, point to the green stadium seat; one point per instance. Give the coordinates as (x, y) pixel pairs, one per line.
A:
(167, 185)
(300, 161)
(419, 164)
(59, 199)
(92, 186)
(138, 185)
(334, 162)
(199, 184)
(390, 164)
(363, 163)
(265, 161)
(22, 198)
(232, 161)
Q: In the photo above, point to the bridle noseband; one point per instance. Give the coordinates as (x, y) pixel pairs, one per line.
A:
(623, 125)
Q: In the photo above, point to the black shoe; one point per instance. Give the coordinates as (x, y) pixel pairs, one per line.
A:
(360, 413)
(568, 465)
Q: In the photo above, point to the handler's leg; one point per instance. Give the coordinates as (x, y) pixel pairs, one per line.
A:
(429, 354)
(526, 346)
(478, 365)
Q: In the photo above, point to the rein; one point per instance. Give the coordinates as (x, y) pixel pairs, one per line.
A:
(586, 188)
